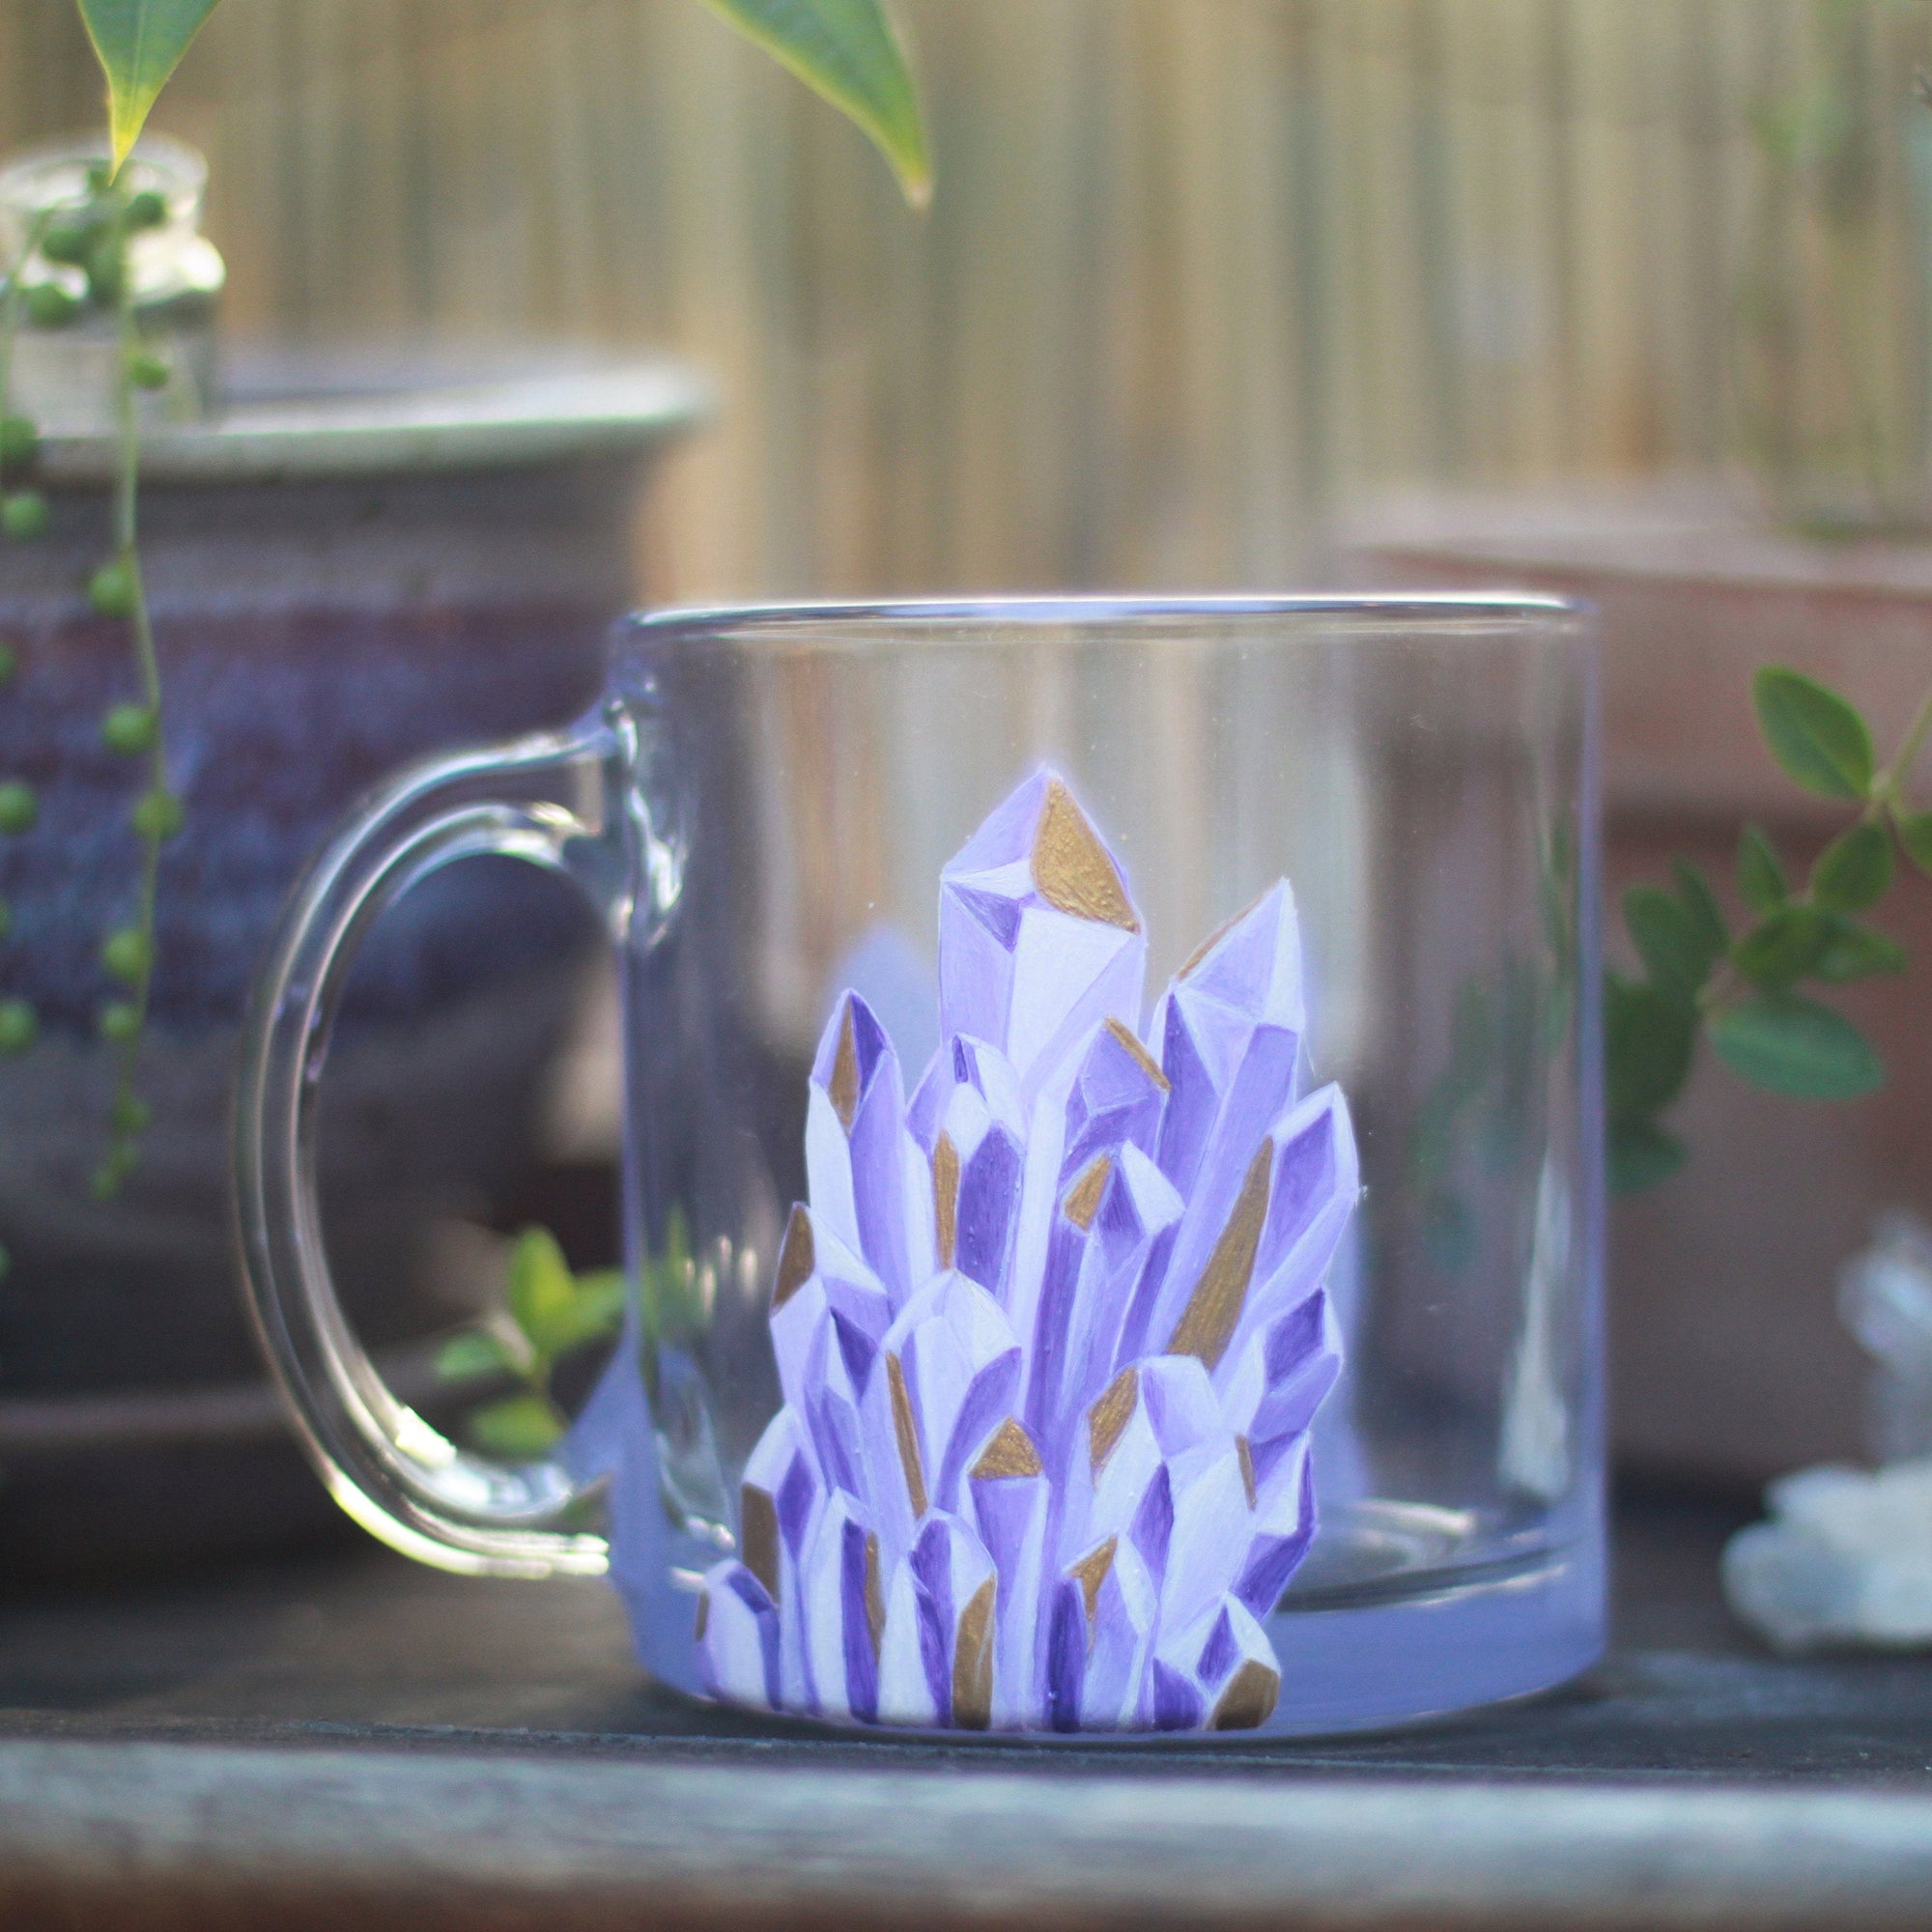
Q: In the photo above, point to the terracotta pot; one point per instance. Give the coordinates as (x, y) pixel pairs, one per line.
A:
(1728, 1361)
(341, 580)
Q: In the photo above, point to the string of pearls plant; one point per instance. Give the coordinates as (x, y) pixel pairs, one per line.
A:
(73, 263)
(91, 242)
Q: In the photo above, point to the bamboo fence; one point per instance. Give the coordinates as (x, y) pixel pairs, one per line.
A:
(1198, 269)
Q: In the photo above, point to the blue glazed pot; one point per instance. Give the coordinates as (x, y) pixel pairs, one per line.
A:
(339, 582)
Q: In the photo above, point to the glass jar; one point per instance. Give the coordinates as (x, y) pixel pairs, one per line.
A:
(65, 365)
(1112, 1160)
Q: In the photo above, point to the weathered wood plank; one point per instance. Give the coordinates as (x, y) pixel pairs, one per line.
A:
(165, 1835)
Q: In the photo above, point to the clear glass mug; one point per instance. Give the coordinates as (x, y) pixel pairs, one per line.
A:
(1128, 1074)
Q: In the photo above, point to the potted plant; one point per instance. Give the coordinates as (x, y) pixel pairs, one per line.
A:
(217, 629)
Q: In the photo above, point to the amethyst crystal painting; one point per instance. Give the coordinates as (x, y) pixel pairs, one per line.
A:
(1051, 1331)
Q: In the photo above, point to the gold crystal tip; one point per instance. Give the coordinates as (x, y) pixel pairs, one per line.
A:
(843, 1089)
(1009, 1453)
(797, 1258)
(1071, 870)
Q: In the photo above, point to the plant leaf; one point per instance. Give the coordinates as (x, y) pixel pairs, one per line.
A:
(1700, 905)
(600, 1298)
(520, 1426)
(846, 52)
(1781, 949)
(1854, 870)
(1640, 1156)
(139, 44)
(1794, 1046)
(1669, 939)
(1647, 1042)
(543, 1296)
(1761, 881)
(1853, 951)
(595, 1310)
(1915, 834)
(1818, 738)
(471, 1356)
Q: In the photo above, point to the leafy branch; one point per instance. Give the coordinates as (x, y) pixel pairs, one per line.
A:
(548, 1314)
(1738, 992)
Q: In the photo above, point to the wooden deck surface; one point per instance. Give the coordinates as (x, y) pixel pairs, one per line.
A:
(345, 1739)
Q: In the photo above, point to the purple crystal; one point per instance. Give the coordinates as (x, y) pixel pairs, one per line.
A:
(1038, 941)
(844, 1611)
(936, 1665)
(738, 1638)
(858, 1157)
(969, 1117)
(1050, 1336)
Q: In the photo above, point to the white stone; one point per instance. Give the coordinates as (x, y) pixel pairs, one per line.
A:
(1846, 1558)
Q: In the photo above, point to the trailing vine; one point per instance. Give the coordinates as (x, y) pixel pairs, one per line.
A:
(74, 261)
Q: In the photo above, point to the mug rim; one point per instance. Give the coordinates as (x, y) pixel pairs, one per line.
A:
(1050, 610)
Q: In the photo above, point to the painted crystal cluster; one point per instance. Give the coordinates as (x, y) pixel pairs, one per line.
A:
(1052, 1332)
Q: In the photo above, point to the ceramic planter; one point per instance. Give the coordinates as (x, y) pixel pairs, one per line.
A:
(355, 573)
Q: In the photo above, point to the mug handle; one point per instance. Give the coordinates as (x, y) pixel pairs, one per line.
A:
(554, 800)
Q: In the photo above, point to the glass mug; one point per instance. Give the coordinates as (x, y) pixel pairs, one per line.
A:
(1128, 1074)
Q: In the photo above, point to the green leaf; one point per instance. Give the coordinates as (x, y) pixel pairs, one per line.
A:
(520, 1425)
(1761, 881)
(1647, 1042)
(1853, 951)
(1784, 948)
(1854, 870)
(543, 1296)
(1701, 907)
(595, 1311)
(1669, 940)
(1814, 734)
(1640, 1156)
(1915, 834)
(140, 43)
(846, 52)
(471, 1356)
(600, 1299)
(1794, 1046)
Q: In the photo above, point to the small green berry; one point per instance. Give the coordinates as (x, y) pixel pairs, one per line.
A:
(18, 1026)
(111, 590)
(147, 209)
(111, 1173)
(120, 1022)
(129, 729)
(148, 371)
(131, 1114)
(157, 815)
(9, 660)
(50, 306)
(20, 440)
(106, 269)
(67, 242)
(23, 514)
(20, 809)
(125, 954)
